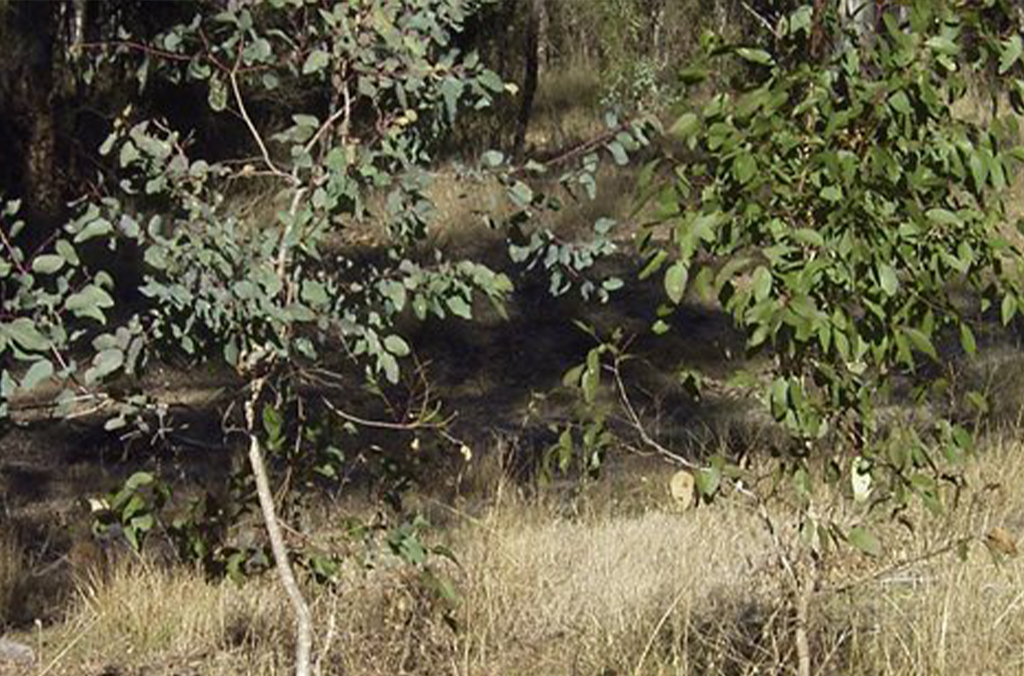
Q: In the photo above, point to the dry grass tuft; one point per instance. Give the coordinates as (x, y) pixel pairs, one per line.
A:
(143, 614)
(951, 618)
(586, 597)
(14, 576)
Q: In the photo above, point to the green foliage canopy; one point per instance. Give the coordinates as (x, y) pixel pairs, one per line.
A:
(836, 209)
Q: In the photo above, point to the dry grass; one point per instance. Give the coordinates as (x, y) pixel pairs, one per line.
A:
(145, 615)
(947, 616)
(555, 596)
(14, 576)
(609, 591)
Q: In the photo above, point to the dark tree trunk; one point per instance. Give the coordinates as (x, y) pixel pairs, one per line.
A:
(30, 110)
(531, 66)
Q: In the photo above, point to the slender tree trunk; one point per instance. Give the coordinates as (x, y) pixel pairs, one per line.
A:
(303, 621)
(802, 607)
(531, 69)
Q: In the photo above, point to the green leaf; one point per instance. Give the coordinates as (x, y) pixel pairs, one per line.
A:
(943, 45)
(744, 167)
(618, 153)
(67, 252)
(387, 363)
(8, 386)
(47, 264)
(38, 372)
(451, 90)
(272, 423)
(103, 364)
(492, 81)
(675, 281)
(809, 237)
(758, 56)
(653, 265)
(832, 193)
(108, 144)
(395, 292)
(143, 523)
(865, 541)
(967, 339)
(492, 158)
(978, 401)
(900, 103)
(95, 228)
(316, 61)
(89, 302)
(129, 153)
(314, 293)
(887, 279)
(396, 345)
(943, 217)
(1009, 308)
(571, 378)
(591, 376)
(779, 398)
(684, 127)
(1010, 54)
(24, 332)
(762, 283)
(138, 480)
(521, 194)
(459, 307)
(921, 342)
(708, 480)
(801, 19)
(217, 96)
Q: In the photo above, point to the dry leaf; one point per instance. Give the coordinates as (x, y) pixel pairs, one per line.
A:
(1000, 540)
(681, 487)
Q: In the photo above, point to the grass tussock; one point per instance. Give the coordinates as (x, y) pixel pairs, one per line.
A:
(14, 576)
(141, 614)
(558, 596)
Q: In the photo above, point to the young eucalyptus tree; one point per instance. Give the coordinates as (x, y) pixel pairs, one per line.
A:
(838, 205)
(844, 204)
(333, 111)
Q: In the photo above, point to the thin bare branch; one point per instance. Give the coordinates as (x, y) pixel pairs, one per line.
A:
(383, 424)
(254, 132)
(634, 421)
(761, 19)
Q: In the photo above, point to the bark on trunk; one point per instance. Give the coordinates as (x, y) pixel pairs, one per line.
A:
(531, 69)
(30, 106)
(802, 606)
(303, 621)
